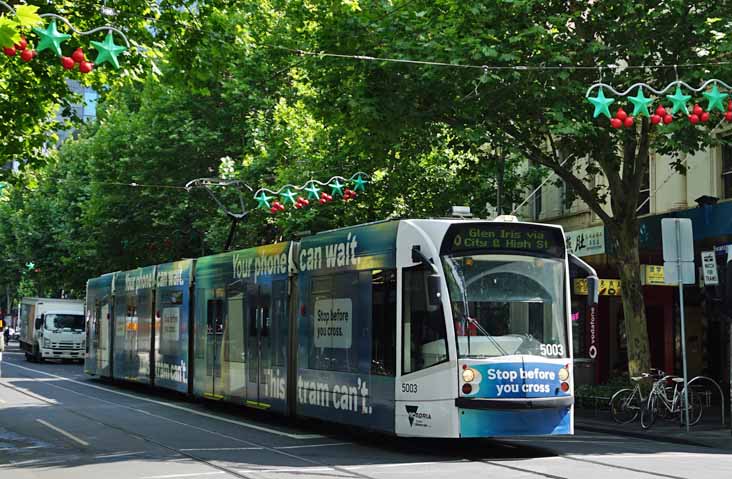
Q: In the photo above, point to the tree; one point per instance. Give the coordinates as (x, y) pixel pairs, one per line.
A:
(540, 114)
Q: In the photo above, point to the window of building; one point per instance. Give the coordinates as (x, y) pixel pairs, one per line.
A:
(644, 196)
(424, 335)
(727, 171)
(383, 329)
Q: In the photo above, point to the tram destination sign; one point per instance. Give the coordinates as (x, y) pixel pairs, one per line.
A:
(499, 237)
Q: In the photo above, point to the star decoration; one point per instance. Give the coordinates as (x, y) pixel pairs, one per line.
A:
(51, 38)
(679, 101)
(715, 99)
(289, 195)
(601, 104)
(313, 191)
(359, 184)
(337, 187)
(30, 265)
(263, 200)
(108, 51)
(640, 103)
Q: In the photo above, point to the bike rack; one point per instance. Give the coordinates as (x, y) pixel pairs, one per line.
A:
(721, 394)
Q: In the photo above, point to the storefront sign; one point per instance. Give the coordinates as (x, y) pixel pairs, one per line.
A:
(608, 287)
(653, 275)
(709, 268)
(587, 241)
(592, 350)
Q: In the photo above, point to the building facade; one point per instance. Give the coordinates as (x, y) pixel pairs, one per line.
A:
(703, 195)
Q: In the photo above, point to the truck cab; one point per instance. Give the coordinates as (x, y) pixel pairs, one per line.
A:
(52, 329)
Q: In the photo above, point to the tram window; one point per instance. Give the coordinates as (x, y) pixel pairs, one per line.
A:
(424, 335)
(383, 332)
(215, 316)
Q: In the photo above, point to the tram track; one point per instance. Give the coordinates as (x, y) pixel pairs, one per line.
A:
(315, 465)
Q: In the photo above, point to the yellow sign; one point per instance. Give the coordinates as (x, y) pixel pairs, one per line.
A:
(653, 275)
(608, 287)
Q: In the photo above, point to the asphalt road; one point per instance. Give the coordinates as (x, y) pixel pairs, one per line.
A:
(57, 423)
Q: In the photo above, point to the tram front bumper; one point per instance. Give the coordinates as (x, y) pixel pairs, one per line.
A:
(515, 417)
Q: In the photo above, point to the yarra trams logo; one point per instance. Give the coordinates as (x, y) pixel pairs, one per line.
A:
(420, 418)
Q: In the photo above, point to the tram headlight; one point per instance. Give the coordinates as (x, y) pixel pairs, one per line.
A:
(563, 374)
(468, 375)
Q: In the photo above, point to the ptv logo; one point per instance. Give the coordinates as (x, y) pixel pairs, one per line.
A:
(412, 414)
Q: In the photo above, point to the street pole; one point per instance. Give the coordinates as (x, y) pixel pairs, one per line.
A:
(683, 326)
(499, 193)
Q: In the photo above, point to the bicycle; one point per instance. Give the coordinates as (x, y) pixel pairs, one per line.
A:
(660, 404)
(626, 404)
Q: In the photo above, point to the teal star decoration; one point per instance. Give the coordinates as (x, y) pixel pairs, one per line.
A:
(715, 99)
(359, 184)
(51, 38)
(336, 187)
(30, 265)
(313, 191)
(601, 104)
(679, 101)
(640, 103)
(263, 200)
(289, 195)
(108, 51)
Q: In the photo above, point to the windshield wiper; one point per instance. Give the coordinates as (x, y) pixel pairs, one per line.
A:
(485, 333)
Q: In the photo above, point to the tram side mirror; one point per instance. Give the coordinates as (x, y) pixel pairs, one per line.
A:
(593, 282)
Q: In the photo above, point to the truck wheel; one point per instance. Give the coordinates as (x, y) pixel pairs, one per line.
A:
(39, 358)
(28, 357)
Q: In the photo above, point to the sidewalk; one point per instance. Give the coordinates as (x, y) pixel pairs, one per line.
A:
(709, 432)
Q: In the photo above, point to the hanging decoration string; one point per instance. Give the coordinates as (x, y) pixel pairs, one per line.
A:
(49, 38)
(313, 191)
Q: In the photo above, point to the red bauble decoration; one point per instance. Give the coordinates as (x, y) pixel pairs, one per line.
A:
(729, 105)
(273, 210)
(628, 122)
(22, 44)
(697, 110)
(693, 119)
(68, 63)
(667, 119)
(661, 111)
(621, 115)
(655, 119)
(728, 116)
(616, 123)
(704, 117)
(9, 51)
(86, 67)
(322, 201)
(78, 55)
(27, 55)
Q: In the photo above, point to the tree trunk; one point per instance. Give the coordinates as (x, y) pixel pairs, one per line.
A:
(628, 264)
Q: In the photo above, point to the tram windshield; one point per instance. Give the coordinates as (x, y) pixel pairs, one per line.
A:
(507, 304)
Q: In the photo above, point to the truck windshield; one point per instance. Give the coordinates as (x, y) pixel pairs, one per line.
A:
(65, 321)
(507, 304)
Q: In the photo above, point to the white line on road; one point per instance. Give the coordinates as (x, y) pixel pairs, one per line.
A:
(61, 431)
(25, 391)
(170, 476)
(121, 454)
(176, 406)
(214, 449)
(329, 444)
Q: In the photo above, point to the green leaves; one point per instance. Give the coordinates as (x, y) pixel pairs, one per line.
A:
(27, 16)
(9, 34)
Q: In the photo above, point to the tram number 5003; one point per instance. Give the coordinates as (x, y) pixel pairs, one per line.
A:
(552, 350)
(409, 388)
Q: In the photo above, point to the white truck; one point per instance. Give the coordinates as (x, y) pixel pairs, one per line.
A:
(52, 329)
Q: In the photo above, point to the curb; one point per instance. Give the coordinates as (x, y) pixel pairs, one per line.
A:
(644, 435)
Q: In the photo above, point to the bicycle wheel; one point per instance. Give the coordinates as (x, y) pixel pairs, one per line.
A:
(649, 412)
(625, 406)
(696, 408)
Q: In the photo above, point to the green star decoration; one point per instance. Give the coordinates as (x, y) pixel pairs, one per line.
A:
(601, 104)
(679, 101)
(30, 265)
(51, 38)
(263, 200)
(108, 51)
(337, 187)
(313, 191)
(640, 103)
(289, 195)
(715, 99)
(359, 184)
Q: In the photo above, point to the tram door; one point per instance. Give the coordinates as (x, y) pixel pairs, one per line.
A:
(259, 328)
(215, 325)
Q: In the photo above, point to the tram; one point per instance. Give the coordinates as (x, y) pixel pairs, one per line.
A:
(419, 327)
